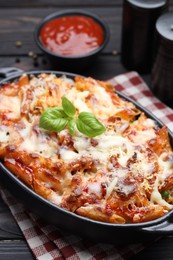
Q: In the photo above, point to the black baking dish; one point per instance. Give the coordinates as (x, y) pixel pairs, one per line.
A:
(90, 229)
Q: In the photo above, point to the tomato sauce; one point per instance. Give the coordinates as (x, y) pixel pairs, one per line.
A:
(72, 35)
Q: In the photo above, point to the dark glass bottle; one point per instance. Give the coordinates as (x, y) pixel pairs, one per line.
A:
(162, 71)
(138, 32)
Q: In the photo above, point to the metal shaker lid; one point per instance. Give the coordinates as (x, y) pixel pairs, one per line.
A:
(164, 26)
(148, 4)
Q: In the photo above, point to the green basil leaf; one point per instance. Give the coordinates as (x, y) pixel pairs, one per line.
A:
(88, 124)
(68, 107)
(71, 126)
(53, 119)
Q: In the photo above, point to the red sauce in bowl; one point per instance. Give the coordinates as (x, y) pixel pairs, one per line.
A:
(71, 35)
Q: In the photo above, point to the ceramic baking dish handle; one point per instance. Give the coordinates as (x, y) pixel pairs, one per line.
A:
(165, 227)
(9, 71)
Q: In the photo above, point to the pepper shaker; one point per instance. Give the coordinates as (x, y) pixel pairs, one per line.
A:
(138, 32)
(162, 72)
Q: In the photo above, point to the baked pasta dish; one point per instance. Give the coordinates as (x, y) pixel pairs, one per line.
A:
(123, 174)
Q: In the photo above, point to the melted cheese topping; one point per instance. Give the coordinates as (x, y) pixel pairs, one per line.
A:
(5, 133)
(157, 198)
(10, 106)
(143, 136)
(107, 145)
(78, 99)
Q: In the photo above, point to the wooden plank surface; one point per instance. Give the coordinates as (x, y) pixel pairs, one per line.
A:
(19, 25)
(8, 227)
(15, 250)
(54, 3)
(157, 250)
(105, 67)
(18, 20)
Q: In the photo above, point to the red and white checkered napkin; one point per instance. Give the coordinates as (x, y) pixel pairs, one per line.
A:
(133, 86)
(50, 243)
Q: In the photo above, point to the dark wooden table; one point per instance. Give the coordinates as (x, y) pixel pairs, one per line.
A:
(17, 22)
